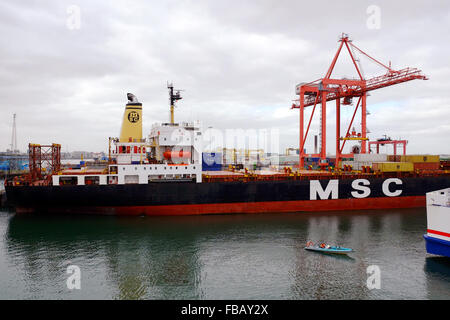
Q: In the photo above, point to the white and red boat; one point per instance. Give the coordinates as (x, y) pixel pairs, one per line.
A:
(438, 222)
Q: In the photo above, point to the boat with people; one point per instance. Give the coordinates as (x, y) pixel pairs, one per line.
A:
(326, 248)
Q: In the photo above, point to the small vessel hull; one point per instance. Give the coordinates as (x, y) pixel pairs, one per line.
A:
(332, 250)
(437, 246)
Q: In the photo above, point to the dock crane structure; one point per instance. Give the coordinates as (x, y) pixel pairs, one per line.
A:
(328, 89)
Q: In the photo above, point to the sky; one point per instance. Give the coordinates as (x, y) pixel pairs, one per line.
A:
(66, 67)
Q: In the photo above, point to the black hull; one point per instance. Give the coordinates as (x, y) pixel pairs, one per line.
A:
(296, 194)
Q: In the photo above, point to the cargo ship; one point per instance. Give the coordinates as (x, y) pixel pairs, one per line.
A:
(437, 238)
(165, 174)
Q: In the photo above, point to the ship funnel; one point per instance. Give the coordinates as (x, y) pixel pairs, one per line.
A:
(131, 130)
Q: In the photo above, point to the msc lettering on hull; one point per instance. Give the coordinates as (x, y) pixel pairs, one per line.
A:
(361, 189)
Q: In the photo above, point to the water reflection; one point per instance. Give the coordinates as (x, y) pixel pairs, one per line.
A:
(220, 257)
(138, 257)
(438, 269)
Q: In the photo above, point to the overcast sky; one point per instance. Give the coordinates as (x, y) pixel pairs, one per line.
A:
(66, 75)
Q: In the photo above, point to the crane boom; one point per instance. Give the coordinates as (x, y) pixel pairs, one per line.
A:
(328, 89)
(341, 91)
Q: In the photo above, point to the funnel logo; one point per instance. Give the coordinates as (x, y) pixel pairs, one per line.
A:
(133, 116)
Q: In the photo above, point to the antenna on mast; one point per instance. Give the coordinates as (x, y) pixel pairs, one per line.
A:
(173, 98)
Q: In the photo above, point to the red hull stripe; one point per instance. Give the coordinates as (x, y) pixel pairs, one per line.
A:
(438, 232)
(252, 207)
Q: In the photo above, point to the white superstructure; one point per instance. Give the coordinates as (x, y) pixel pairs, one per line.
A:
(172, 151)
(438, 214)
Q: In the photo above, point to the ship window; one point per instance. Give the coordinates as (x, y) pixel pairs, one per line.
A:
(135, 168)
(131, 179)
(185, 168)
(63, 181)
(145, 168)
(112, 180)
(93, 180)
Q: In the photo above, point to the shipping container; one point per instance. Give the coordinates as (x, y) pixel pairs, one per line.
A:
(211, 161)
(392, 158)
(427, 165)
(392, 166)
(420, 158)
(372, 157)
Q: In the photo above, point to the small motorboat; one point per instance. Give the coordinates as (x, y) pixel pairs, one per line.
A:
(324, 248)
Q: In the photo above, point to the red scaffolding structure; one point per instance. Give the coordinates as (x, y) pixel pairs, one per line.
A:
(393, 142)
(328, 89)
(43, 160)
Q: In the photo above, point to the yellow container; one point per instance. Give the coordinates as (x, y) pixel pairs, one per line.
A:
(420, 158)
(393, 166)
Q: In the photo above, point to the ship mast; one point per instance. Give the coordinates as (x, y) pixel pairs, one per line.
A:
(173, 98)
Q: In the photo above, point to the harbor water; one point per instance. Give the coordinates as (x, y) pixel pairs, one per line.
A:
(257, 256)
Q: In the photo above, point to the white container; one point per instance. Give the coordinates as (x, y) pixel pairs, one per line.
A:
(370, 157)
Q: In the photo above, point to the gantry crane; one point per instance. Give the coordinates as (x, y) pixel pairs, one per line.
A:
(328, 89)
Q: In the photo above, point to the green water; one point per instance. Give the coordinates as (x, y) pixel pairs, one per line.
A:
(219, 257)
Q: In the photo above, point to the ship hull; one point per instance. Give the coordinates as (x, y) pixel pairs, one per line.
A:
(188, 198)
(437, 246)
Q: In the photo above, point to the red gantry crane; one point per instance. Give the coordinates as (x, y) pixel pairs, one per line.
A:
(329, 89)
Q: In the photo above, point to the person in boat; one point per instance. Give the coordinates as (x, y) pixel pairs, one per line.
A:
(309, 244)
(322, 245)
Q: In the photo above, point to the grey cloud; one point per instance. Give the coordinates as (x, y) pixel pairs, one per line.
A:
(238, 62)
